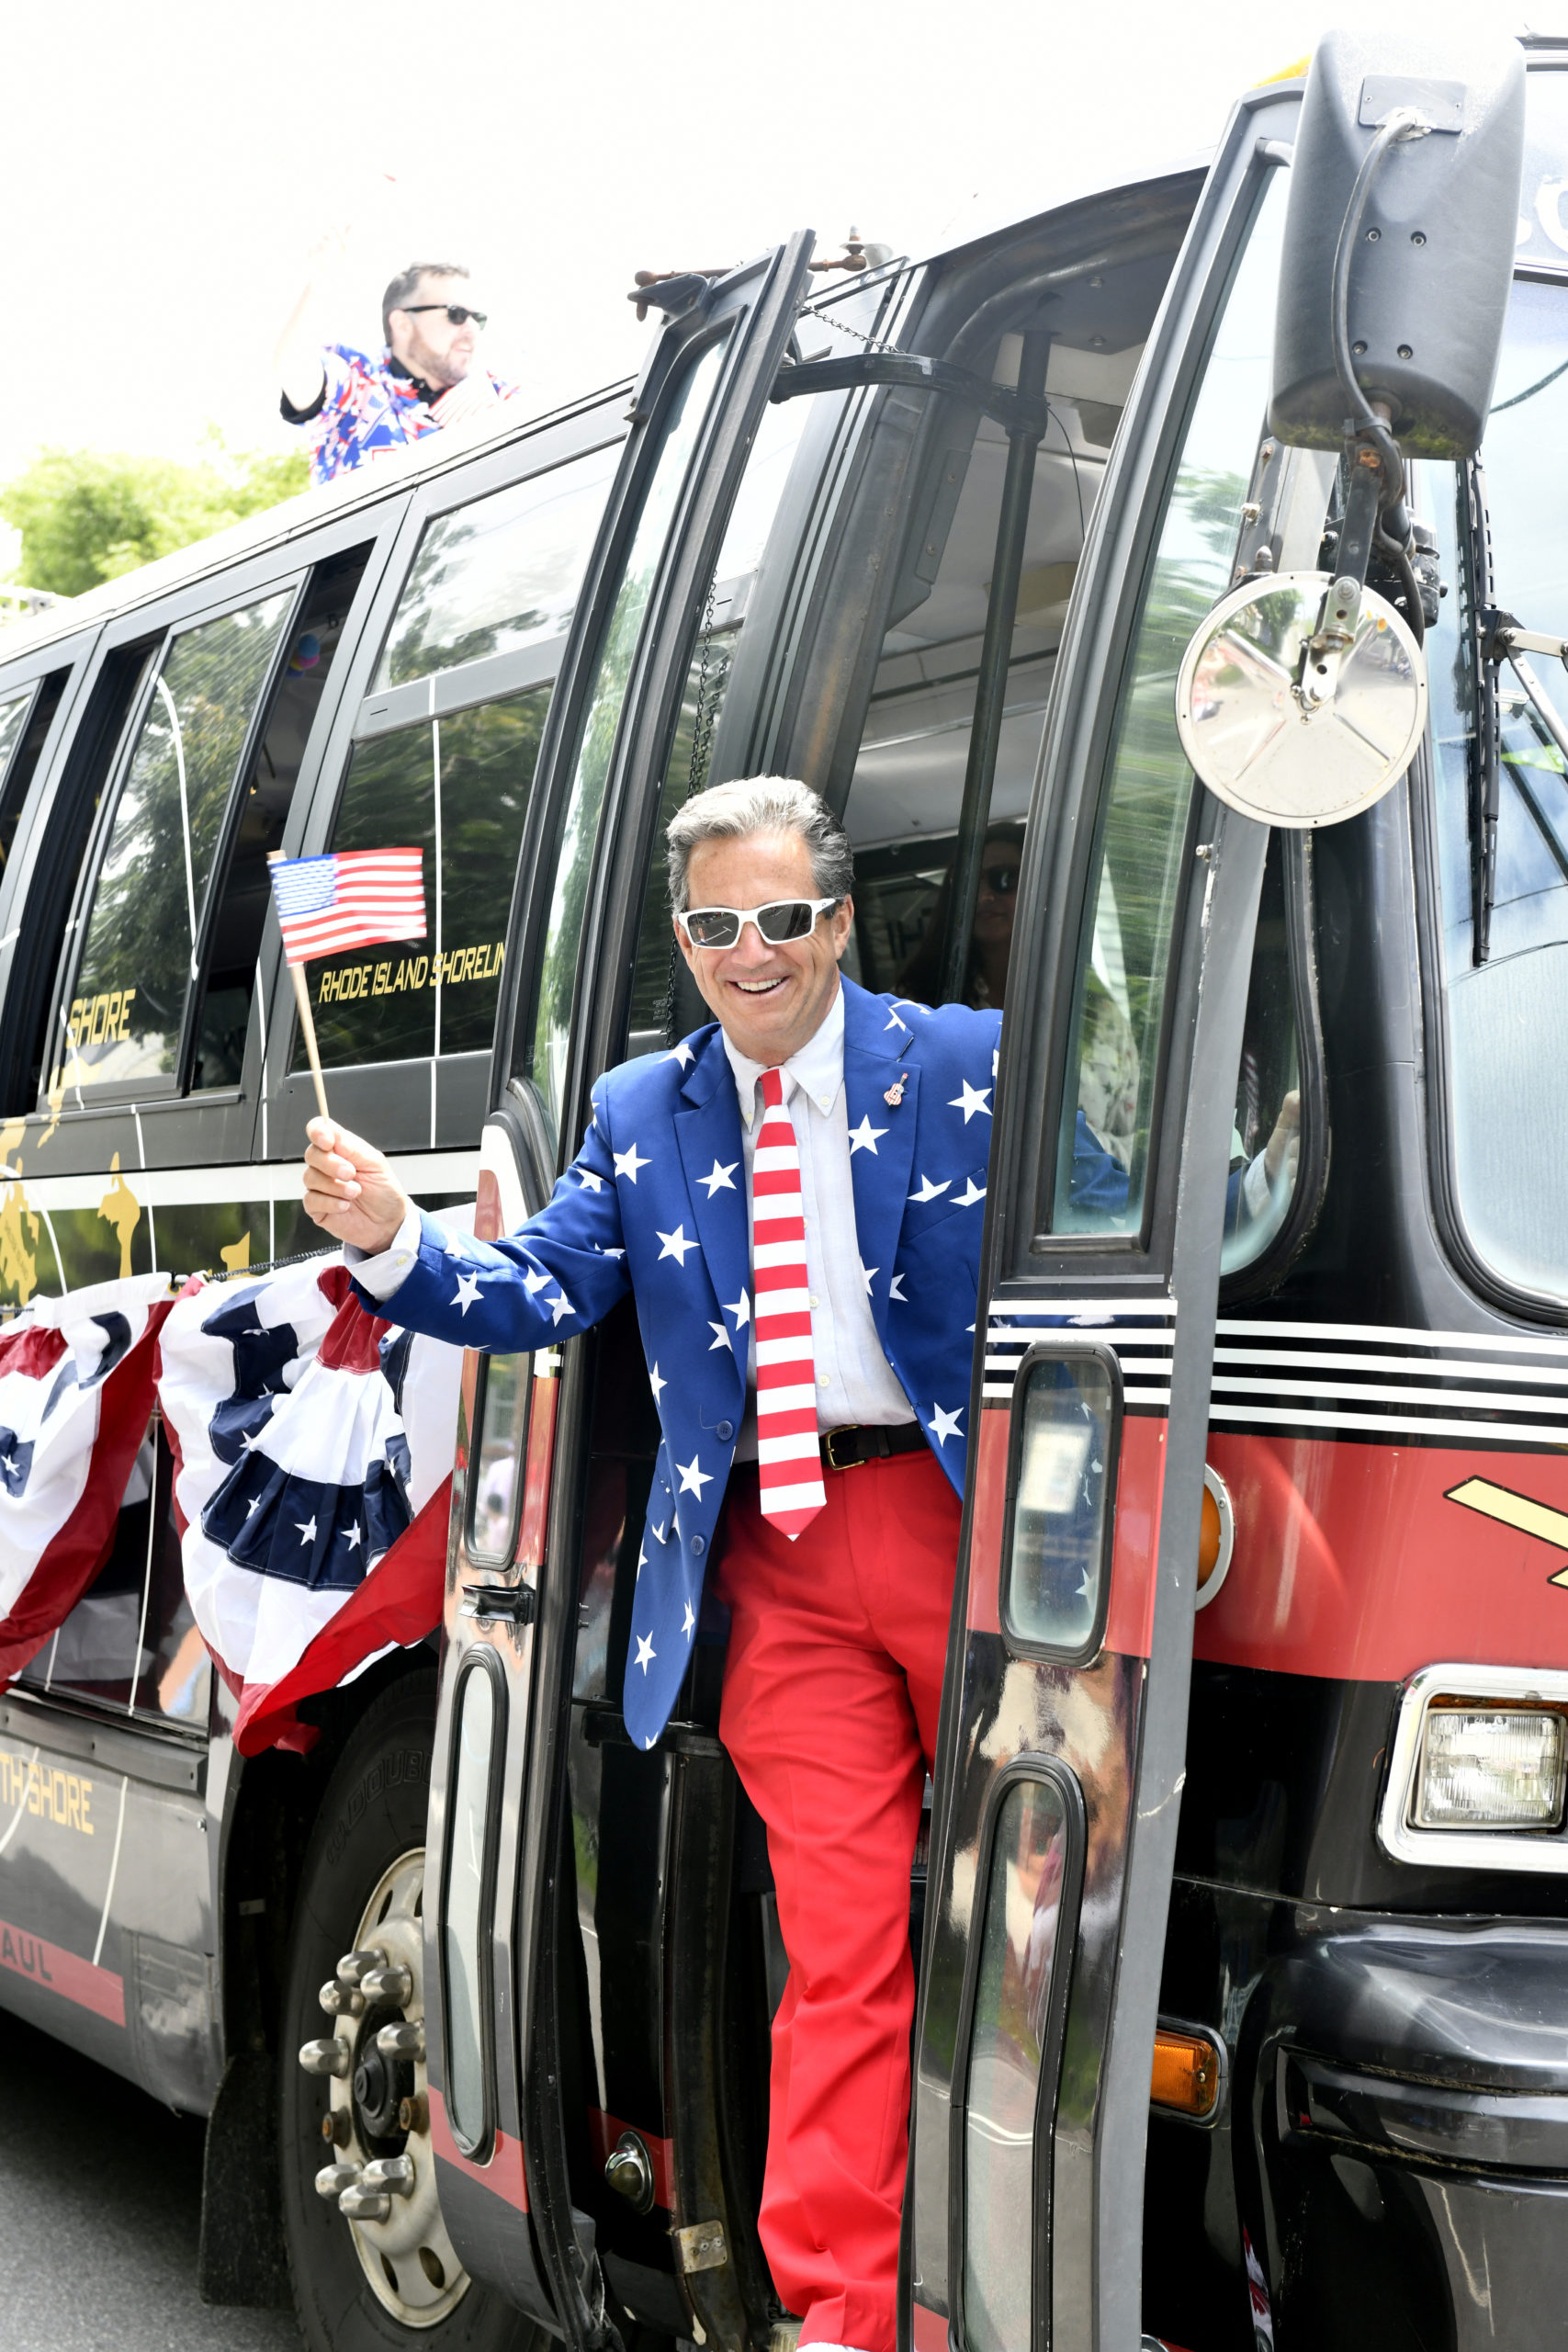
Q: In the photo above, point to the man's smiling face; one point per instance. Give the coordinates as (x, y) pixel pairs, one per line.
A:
(772, 1000)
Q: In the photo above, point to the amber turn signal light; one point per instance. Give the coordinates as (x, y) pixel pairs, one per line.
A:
(1185, 2073)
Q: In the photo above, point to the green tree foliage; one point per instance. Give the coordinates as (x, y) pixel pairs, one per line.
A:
(87, 515)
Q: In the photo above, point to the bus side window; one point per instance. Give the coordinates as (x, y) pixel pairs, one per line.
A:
(125, 1003)
(456, 788)
(266, 795)
(493, 582)
(32, 1036)
(25, 723)
(130, 1643)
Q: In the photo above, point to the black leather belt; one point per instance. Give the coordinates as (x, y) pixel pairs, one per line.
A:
(847, 1449)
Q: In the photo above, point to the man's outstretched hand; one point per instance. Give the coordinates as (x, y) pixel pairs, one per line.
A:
(349, 1189)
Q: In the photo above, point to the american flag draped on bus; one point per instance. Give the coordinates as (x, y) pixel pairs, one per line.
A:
(353, 898)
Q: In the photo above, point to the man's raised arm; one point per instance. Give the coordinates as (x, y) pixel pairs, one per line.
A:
(558, 1276)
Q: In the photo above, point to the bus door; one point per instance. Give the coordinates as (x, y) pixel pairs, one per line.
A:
(504, 2094)
(1060, 1758)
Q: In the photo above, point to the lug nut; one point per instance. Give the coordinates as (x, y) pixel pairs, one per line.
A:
(340, 2000)
(393, 1984)
(413, 2114)
(332, 2179)
(362, 2204)
(354, 1966)
(402, 2041)
(394, 2173)
(335, 2127)
(328, 2056)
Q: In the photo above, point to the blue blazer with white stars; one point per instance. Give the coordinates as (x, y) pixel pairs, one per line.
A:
(655, 1202)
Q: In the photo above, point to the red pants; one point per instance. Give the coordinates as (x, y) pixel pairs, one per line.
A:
(830, 1698)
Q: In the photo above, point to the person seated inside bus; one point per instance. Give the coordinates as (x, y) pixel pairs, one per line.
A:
(427, 375)
(990, 937)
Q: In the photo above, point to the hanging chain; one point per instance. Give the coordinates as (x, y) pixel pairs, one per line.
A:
(705, 710)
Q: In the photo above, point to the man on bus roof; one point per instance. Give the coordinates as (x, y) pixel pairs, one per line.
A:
(427, 376)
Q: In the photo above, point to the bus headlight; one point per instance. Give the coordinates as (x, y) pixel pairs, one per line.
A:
(1491, 1768)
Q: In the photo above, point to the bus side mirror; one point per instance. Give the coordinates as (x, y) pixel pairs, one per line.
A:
(1417, 253)
(1303, 694)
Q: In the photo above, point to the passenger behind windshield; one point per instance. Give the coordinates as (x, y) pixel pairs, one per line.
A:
(427, 375)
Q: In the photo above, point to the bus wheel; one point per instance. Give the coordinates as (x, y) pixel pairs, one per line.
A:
(372, 2265)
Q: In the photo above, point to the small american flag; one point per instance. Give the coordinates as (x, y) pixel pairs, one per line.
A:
(355, 897)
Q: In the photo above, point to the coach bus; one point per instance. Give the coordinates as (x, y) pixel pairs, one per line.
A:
(1241, 1905)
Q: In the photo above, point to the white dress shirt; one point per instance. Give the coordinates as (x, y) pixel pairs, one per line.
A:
(855, 1382)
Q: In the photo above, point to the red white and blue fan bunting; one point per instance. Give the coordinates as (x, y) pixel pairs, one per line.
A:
(313, 1449)
(77, 1378)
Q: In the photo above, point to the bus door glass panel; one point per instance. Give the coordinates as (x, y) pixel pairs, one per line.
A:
(500, 575)
(139, 956)
(1507, 1043)
(1266, 1133)
(908, 785)
(25, 723)
(732, 595)
(256, 826)
(684, 412)
(1077, 1449)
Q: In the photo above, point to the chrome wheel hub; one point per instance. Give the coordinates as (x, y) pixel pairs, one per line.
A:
(379, 2168)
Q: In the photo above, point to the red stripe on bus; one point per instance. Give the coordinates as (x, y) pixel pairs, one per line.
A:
(927, 2330)
(1354, 1563)
(77, 1980)
(1140, 1478)
(503, 2175)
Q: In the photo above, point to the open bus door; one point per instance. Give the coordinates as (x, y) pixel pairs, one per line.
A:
(497, 2081)
(1204, 633)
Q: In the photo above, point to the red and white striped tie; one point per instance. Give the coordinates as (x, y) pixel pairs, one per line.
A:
(789, 1463)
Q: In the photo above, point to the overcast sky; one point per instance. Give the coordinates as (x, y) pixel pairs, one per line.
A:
(166, 166)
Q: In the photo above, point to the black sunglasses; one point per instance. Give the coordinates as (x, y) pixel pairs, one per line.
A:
(1002, 879)
(456, 312)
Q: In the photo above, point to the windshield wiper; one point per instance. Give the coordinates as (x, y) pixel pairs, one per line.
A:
(1502, 639)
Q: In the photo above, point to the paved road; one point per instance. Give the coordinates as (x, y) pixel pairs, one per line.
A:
(100, 2204)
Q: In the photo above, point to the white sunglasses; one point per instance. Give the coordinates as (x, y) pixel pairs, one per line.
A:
(778, 922)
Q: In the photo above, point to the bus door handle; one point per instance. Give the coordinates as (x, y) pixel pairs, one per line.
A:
(515, 1604)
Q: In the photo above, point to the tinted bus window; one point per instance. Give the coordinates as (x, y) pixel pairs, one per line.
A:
(130, 992)
(1508, 1044)
(21, 740)
(499, 575)
(457, 788)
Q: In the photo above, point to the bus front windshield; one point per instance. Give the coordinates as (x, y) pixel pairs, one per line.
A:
(1505, 915)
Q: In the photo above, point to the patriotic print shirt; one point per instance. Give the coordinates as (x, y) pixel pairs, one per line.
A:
(369, 406)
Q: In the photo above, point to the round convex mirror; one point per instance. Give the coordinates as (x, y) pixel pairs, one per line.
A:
(1287, 733)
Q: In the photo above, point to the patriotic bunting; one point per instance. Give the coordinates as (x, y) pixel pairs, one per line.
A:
(76, 1391)
(312, 1448)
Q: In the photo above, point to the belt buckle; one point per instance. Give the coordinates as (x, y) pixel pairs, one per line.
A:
(849, 1427)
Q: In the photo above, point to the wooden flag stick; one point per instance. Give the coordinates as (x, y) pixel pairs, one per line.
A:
(307, 1018)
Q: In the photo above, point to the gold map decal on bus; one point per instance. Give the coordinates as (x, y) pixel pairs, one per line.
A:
(411, 972)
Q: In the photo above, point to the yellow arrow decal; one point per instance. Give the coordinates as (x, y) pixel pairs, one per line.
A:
(1547, 1526)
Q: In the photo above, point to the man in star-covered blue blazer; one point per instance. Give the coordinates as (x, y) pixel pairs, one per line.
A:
(837, 1572)
(637, 1209)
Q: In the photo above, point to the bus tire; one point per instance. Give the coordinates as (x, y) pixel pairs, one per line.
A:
(389, 2281)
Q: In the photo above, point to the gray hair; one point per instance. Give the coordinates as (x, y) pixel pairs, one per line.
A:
(407, 282)
(762, 804)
